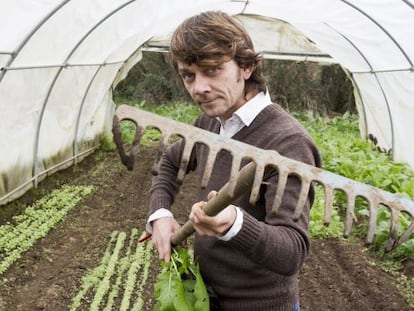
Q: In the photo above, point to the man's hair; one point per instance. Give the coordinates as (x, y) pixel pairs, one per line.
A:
(212, 38)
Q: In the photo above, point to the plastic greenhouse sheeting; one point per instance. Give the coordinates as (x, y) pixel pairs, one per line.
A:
(60, 61)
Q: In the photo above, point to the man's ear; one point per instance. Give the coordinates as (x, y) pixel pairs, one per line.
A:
(247, 71)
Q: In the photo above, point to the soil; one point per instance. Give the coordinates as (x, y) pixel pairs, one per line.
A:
(338, 275)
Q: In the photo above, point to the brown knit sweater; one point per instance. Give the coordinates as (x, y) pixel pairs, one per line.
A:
(258, 268)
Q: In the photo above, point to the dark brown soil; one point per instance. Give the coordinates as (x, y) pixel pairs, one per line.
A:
(337, 276)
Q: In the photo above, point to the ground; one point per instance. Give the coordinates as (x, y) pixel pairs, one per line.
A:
(338, 275)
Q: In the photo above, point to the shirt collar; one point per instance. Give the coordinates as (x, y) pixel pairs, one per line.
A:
(249, 111)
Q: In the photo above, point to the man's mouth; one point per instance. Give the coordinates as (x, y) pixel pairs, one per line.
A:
(206, 101)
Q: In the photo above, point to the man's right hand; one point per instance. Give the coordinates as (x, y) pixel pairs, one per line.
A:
(162, 230)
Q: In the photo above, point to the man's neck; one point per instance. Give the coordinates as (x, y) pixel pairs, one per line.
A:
(248, 96)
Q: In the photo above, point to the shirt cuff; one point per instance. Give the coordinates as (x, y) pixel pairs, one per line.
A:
(160, 213)
(235, 228)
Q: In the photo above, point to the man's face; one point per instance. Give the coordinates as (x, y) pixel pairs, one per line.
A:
(218, 90)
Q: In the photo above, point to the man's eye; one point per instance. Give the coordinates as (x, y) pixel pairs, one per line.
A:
(212, 71)
(187, 77)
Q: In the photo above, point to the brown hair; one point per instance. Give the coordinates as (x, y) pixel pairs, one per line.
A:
(212, 38)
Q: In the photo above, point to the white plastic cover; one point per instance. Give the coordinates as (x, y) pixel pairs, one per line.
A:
(60, 61)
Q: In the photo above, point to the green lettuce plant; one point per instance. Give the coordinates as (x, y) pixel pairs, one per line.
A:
(179, 285)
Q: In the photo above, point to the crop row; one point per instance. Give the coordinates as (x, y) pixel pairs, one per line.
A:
(119, 280)
(19, 235)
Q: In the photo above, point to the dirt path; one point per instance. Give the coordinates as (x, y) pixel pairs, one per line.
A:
(337, 275)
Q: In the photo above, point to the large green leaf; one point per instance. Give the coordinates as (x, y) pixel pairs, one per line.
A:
(180, 286)
(200, 292)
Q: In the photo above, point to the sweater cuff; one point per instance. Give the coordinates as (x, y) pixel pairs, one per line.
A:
(249, 233)
(158, 202)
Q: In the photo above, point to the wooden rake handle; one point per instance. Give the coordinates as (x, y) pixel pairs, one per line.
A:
(224, 197)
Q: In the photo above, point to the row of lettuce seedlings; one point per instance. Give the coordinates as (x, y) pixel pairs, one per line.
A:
(118, 282)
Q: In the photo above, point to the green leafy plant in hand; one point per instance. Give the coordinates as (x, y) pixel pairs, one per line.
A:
(180, 286)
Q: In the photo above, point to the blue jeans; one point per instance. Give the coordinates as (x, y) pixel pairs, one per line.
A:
(296, 307)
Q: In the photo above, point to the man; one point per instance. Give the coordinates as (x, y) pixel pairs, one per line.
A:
(248, 256)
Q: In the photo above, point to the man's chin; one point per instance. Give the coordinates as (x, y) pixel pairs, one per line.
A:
(210, 113)
(208, 109)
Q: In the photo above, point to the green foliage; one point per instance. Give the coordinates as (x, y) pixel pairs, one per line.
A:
(294, 85)
(152, 80)
(107, 143)
(301, 86)
(351, 156)
(182, 112)
(36, 221)
(185, 112)
(317, 227)
(179, 285)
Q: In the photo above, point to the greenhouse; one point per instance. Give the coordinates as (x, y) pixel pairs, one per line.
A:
(60, 62)
(74, 192)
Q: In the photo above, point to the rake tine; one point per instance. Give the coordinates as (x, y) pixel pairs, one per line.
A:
(393, 230)
(258, 177)
(208, 169)
(235, 167)
(281, 185)
(116, 130)
(135, 143)
(404, 236)
(372, 221)
(328, 204)
(188, 147)
(161, 148)
(127, 160)
(303, 197)
(350, 207)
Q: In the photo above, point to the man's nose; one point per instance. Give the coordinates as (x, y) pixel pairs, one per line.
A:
(201, 84)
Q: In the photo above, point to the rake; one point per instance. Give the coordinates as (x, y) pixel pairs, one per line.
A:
(251, 175)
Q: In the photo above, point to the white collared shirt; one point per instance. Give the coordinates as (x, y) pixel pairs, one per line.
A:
(245, 115)
(242, 117)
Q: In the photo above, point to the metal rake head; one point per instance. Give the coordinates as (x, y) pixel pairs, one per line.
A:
(264, 159)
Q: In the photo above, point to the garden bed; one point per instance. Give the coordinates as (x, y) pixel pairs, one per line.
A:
(338, 275)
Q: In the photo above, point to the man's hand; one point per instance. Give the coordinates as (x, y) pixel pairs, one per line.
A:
(162, 230)
(211, 226)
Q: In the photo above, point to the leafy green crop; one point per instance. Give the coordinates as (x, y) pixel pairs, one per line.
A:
(317, 227)
(179, 285)
(36, 221)
(351, 156)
